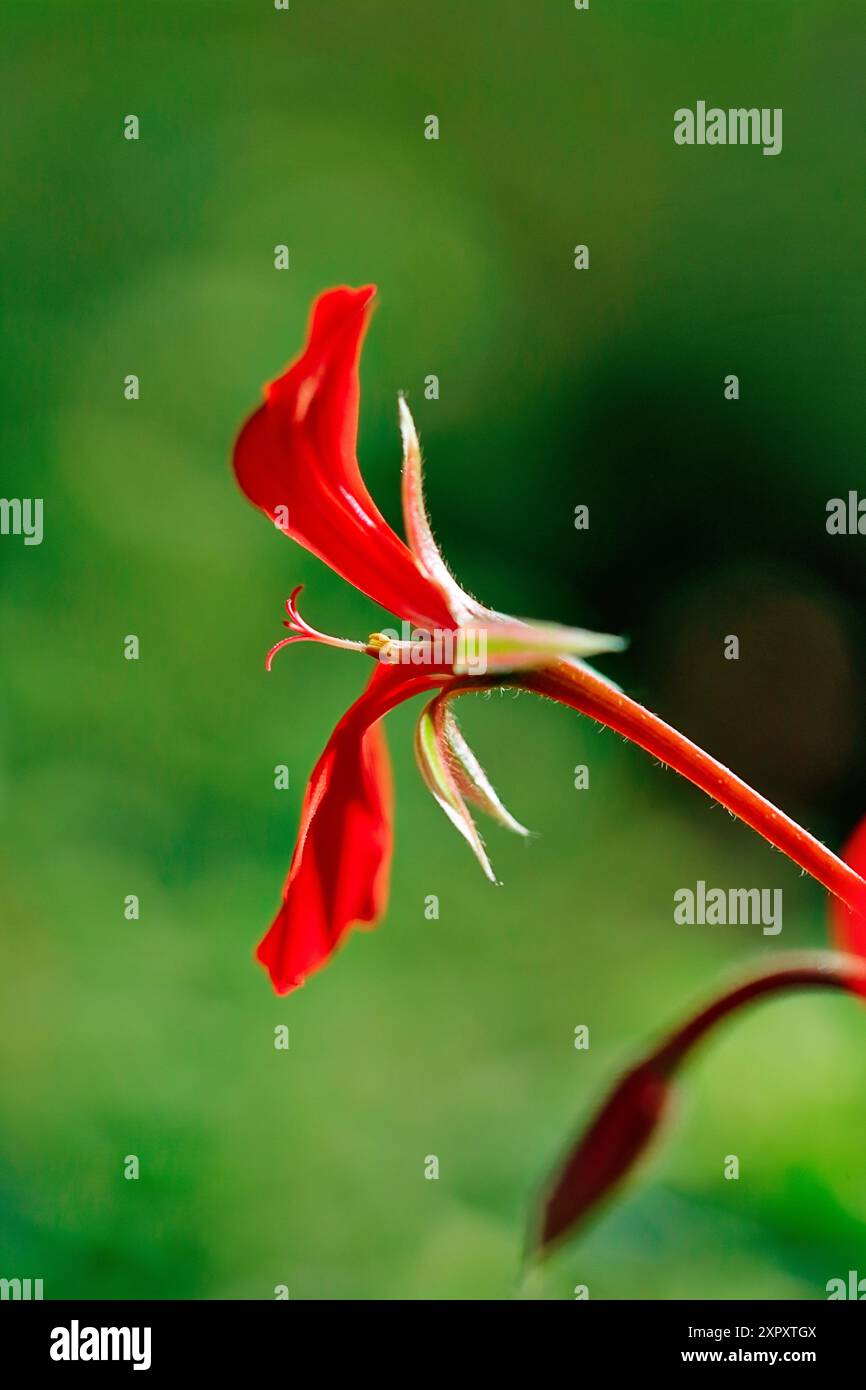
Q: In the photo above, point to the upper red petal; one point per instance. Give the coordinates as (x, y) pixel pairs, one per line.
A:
(340, 867)
(298, 452)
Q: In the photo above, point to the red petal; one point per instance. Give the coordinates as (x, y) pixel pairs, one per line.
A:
(339, 871)
(849, 926)
(297, 453)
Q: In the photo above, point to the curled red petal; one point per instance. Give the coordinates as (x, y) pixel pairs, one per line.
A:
(340, 867)
(848, 923)
(295, 459)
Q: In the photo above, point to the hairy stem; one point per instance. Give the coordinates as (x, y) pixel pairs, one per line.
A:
(581, 689)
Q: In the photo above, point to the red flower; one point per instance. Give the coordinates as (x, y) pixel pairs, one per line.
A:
(295, 459)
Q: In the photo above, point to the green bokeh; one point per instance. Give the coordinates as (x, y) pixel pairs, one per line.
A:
(558, 387)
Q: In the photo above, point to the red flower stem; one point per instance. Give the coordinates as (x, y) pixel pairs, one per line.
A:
(810, 970)
(583, 690)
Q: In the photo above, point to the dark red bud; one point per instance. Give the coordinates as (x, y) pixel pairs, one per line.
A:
(623, 1127)
(601, 1158)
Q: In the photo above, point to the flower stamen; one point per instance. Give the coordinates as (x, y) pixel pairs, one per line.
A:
(303, 632)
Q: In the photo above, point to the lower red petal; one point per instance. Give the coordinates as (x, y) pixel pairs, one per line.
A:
(340, 868)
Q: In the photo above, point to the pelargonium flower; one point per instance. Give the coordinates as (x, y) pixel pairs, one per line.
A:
(296, 460)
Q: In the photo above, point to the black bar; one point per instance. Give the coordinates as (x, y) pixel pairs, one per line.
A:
(233, 1337)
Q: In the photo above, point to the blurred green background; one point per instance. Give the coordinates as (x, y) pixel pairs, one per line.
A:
(558, 387)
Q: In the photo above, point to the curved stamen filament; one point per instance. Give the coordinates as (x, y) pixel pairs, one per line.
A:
(286, 641)
(303, 632)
